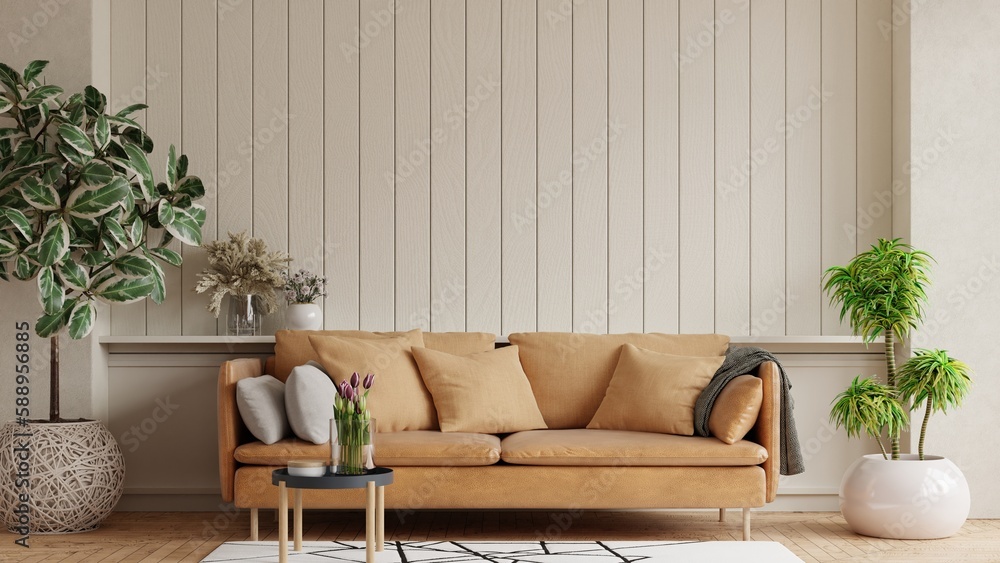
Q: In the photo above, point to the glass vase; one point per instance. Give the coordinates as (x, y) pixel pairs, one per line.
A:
(244, 315)
(352, 446)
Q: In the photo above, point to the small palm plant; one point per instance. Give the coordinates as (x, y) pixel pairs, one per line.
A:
(867, 407)
(882, 292)
(936, 379)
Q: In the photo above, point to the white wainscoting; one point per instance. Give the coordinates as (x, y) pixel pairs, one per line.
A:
(172, 463)
(588, 165)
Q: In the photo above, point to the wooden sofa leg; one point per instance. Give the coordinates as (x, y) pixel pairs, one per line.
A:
(722, 515)
(746, 524)
(253, 524)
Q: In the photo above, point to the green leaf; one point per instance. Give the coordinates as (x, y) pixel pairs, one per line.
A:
(73, 275)
(5, 104)
(7, 248)
(39, 96)
(40, 196)
(167, 255)
(47, 325)
(165, 212)
(50, 293)
(125, 290)
(20, 222)
(185, 227)
(136, 231)
(171, 165)
(139, 138)
(10, 78)
(82, 318)
(182, 166)
(54, 244)
(33, 69)
(125, 112)
(70, 154)
(95, 259)
(94, 99)
(159, 293)
(24, 267)
(198, 213)
(141, 165)
(191, 186)
(3, 272)
(102, 132)
(90, 201)
(76, 138)
(132, 266)
(115, 230)
(96, 173)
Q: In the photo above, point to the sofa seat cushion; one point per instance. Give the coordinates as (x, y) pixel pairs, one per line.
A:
(392, 449)
(621, 448)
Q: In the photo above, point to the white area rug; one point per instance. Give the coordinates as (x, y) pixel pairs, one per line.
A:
(513, 552)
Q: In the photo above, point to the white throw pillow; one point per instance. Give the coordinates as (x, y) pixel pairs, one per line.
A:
(261, 401)
(309, 393)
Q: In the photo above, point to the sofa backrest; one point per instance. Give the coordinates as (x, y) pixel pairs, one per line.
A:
(292, 347)
(569, 372)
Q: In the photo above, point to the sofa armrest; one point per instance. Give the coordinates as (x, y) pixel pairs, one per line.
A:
(767, 429)
(231, 428)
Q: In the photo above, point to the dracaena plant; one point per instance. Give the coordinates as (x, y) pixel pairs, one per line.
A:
(79, 204)
(882, 292)
(936, 379)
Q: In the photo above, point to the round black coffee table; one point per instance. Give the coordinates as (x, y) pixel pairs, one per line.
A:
(374, 481)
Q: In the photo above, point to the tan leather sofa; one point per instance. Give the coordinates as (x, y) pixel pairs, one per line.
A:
(566, 467)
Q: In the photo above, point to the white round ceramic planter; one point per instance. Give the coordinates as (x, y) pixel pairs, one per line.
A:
(303, 316)
(904, 499)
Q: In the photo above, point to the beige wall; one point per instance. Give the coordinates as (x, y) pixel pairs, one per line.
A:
(589, 165)
(955, 201)
(60, 32)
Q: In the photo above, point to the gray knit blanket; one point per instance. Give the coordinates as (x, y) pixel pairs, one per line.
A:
(740, 361)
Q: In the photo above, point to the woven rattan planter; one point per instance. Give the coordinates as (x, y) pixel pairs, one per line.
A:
(76, 475)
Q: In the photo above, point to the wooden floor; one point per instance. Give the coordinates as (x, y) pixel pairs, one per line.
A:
(189, 536)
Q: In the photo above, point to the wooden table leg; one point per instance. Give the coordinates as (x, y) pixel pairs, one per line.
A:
(253, 524)
(370, 524)
(298, 519)
(282, 523)
(380, 519)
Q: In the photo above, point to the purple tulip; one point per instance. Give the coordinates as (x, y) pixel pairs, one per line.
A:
(369, 380)
(355, 380)
(349, 393)
(342, 388)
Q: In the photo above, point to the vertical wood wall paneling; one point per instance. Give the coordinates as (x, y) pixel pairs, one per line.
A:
(414, 154)
(839, 176)
(305, 136)
(341, 165)
(590, 166)
(128, 86)
(768, 301)
(448, 166)
(900, 38)
(518, 170)
(163, 93)
(697, 170)
(235, 153)
(199, 137)
(554, 205)
(625, 157)
(732, 168)
(270, 133)
(874, 146)
(483, 169)
(377, 214)
(802, 130)
(660, 171)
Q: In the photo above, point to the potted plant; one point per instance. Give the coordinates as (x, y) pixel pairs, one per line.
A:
(895, 495)
(302, 289)
(78, 210)
(243, 269)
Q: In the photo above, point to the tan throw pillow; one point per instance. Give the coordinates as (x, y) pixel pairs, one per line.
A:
(292, 347)
(735, 410)
(398, 400)
(654, 392)
(485, 392)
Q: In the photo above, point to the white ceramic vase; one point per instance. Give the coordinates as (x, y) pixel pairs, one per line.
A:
(303, 316)
(904, 499)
